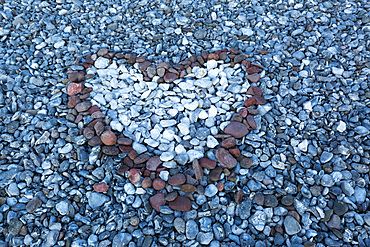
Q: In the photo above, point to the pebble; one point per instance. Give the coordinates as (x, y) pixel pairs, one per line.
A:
(180, 204)
(291, 225)
(236, 129)
(96, 199)
(191, 229)
(225, 158)
(177, 179)
(258, 220)
(211, 190)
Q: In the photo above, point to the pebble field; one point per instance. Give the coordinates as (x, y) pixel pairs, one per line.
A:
(184, 123)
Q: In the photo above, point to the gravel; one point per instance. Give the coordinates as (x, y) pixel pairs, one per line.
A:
(301, 177)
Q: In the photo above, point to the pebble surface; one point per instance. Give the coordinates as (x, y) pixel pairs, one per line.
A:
(107, 109)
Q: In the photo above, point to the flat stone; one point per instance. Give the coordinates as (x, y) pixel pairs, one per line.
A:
(171, 196)
(198, 170)
(169, 77)
(251, 122)
(177, 179)
(188, 188)
(254, 78)
(207, 163)
(225, 158)
(110, 150)
(158, 184)
(153, 163)
(102, 187)
(239, 58)
(142, 158)
(76, 76)
(124, 141)
(95, 141)
(236, 129)
(83, 106)
(180, 204)
(228, 143)
(99, 128)
(146, 183)
(291, 225)
(157, 201)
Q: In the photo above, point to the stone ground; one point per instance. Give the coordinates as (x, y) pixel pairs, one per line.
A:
(308, 184)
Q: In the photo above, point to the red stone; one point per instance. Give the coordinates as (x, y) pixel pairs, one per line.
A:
(108, 138)
(146, 183)
(74, 88)
(228, 143)
(180, 204)
(254, 91)
(157, 200)
(73, 101)
(122, 169)
(250, 101)
(207, 163)
(133, 154)
(159, 184)
(234, 51)
(134, 176)
(93, 109)
(243, 112)
(260, 100)
(78, 119)
(220, 186)
(99, 128)
(177, 179)
(153, 163)
(102, 187)
(171, 196)
(83, 106)
(76, 76)
(253, 69)
(245, 162)
(169, 77)
(98, 114)
(236, 129)
(89, 132)
(253, 77)
(125, 149)
(142, 158)
(251, 122)
(263, 52)
(235, 152)
(225, 158)
(213, 56)
(124, 141)
(247, 64)
(198, 170)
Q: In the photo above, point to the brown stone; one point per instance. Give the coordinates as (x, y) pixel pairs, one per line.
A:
(254, 91)
(243, 112)
(188, 188)
(235, 152)
(215, 174)
(93, 109)
(207, 163)
(83, 106)
(134, 176)
(76, 76)
(239, 58)
(157, 200)
(170, 77)
(259, 199)
(84, 96)
(153, 163)
(220, 186)
(225, 158)
(140, 59)
(236, 129)
(158, 184)
(228, 143)
(124, 141)
(163, 65)
(198, 170)
(110, 150)
(98, 114)
(251, 122)
(180, 204)
(171, 196)
(253, 70)
(74, 88)
(177, 179)
(279, 229)
(122, 169)
(73, 101)
(102, 52)
(144, 65)
(239, 197)
(223, 56)
(253, 77)
(213, 56)
(125, 149)
(95, 141)
(142, 158)
(146, 183)
(99, 128)
(133, 154)
(250, 101)
(89, 132)
(234, 51)
(108, 138)
(102, 187)
(260, 100)
(236, 117)
(263, 52)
